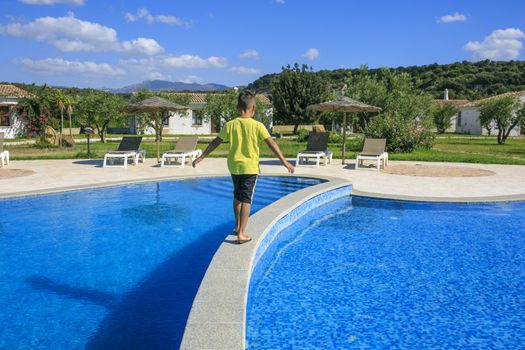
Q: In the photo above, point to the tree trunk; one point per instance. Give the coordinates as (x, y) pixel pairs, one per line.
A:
(501, 138)
(295, 128)
(70, 126)
(61, 125)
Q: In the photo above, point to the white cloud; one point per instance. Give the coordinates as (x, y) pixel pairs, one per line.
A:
(61, 66)
(71, 34)
(250, 53)
(54, 2)
(279, 1)
(455, 17)
(311, 54)
(142, 46)
(143, 14)
(501, 44)
(147, 67)
(245, 70)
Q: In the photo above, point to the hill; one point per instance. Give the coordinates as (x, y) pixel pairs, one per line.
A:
(464, 80)
(163, 85)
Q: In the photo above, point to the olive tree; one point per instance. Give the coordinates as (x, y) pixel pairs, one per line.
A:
(99, 108)
(506, 113)
(293, 90)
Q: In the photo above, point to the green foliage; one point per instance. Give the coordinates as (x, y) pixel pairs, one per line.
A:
(222, 107)
(293, 90)
(442, 116)
(335, 137)
(402, 135)
(36, 112)
(504, 113)
(98, 108)
(464, 80)
(302, 135)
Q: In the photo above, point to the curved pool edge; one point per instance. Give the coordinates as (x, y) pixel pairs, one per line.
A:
(433, 199)
(217, 318)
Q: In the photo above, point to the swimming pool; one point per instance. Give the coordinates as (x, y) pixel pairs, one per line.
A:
(113, 268)
(366, 273)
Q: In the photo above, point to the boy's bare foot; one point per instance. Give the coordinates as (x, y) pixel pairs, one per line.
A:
(242, 241)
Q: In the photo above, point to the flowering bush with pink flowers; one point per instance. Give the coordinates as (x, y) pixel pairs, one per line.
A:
(33, 124)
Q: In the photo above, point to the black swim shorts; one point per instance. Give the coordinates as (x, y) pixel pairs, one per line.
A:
(243, 186)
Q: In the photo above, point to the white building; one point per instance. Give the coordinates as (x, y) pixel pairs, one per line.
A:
(467, 119)
(9, 123)
(192, 121)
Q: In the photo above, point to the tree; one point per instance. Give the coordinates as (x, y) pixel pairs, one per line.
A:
(442, 116)
(61, 101)
(293, 90)
(506, 113)
(222, 107)
(98, 109)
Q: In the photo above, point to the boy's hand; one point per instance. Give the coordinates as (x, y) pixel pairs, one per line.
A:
(196, 161)
(289, 166)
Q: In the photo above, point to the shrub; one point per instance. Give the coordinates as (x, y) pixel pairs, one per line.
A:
(442, 116)
(402, 135)
(302, 135)
(335, 137)
(33, 124)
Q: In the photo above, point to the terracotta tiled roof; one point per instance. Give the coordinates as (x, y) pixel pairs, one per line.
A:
(457, 103)
(200, 97)
(8, 90)
(507, 94)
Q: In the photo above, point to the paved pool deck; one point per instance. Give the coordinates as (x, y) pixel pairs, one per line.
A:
(508, 182)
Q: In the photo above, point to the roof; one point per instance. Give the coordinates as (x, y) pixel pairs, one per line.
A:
(506, 94)
(200, 97)
(457, 103)
(8, 90)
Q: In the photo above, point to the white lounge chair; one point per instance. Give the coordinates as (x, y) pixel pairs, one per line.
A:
(373, 149)
(128, 149)
(185, 149)
(316, 148)
(4, 154)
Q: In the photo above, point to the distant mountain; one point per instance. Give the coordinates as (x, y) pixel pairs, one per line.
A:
(163, 85)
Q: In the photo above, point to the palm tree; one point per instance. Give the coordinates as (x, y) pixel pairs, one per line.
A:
(69, 111)
(60, 103)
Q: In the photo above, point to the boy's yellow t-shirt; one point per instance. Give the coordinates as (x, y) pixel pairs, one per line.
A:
(245, 135)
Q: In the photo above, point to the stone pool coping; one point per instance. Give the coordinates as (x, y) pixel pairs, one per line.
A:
(217, 318)
(483, 199)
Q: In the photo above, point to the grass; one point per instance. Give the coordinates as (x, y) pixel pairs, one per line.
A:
(447, 148)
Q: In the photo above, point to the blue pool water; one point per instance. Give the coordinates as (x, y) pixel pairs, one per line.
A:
(372, 274)
(113, 268)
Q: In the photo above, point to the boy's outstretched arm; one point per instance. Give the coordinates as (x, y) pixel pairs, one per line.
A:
(211, 147)
(277, 151)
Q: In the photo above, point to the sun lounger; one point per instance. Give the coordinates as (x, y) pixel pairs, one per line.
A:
(373, 149)
(4, 154)
(185, 149)
(128, 149)
(316, 148)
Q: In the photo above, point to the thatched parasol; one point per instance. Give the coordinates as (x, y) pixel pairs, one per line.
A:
(156, 106)
(344, 105)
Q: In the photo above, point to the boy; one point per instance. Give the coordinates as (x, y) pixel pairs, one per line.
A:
(244, 134)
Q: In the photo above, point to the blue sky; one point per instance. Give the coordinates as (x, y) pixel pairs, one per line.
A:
(90, 43)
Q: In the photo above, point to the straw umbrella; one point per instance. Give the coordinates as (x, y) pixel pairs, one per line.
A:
(156, 106)
(343, 105)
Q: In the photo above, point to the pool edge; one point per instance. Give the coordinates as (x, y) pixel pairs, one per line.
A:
(218, 315)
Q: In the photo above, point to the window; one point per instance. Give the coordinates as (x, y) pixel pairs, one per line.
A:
(166, 119)
(196, 118)
(5, 115)
(459, 119)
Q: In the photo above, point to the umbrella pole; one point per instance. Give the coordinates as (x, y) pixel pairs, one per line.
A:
(157, 137)
(344, 137)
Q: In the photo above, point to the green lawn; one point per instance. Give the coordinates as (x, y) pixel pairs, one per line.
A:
(448, 148)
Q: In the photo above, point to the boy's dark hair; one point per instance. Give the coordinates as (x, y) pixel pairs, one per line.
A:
(245, 101)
